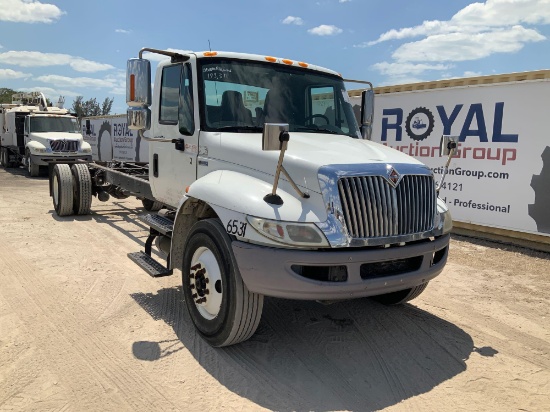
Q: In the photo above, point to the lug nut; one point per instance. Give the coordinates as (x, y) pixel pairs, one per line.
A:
(206, 291)
(197, 266)
(194, 295)
(192, 286)
(200, 272)
(207, 280)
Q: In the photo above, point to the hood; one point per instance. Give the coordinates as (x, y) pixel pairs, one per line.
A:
(56, 136)
(306, 153)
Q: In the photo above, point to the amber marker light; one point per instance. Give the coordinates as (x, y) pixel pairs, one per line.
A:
(210, 54)
(270, 59)
(187, 189)
(286, 61)
(302, 64)
(132, 87)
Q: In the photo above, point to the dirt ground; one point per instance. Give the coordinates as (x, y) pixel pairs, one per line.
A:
(82, 328)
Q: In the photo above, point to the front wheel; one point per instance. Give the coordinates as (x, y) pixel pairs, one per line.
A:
(221, 307)
(401, 296)
(32, 168)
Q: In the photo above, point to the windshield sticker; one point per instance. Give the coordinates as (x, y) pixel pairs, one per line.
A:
(216, 73)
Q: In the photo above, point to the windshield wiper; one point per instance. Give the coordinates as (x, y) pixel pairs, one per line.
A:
(316, 129)
(250, 129)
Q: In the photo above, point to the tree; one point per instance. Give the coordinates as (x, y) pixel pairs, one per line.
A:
(90, 107)
(5, 95)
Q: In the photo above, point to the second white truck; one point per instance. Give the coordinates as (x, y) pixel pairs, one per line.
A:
(271, 189)
(34, 134)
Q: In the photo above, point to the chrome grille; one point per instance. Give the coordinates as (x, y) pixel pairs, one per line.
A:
(64, 145)
(374, 208)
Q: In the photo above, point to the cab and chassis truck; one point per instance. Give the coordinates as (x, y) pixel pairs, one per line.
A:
(270, 187)
(34, 134)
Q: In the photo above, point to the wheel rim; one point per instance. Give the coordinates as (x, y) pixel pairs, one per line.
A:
(205, 283)
(55, 185)
(29, 164)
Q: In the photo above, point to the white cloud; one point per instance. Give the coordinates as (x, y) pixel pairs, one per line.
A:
(50, 93)
(293, 20)
(478, 17)
(325, 30)
(472, 74)
(28, 11)
(63, 81)
(39, 59)
(402, 69)
(123, 31)
(344, 1)
(466, 46)
(8, 74)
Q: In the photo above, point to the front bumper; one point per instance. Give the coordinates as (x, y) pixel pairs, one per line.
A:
(269, 271)
(44, 160)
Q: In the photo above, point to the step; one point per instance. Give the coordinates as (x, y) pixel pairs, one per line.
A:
(149, 264)
(159, 223)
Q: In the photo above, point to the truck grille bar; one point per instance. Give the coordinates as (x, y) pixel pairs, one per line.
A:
(374, 208)
(64, 145)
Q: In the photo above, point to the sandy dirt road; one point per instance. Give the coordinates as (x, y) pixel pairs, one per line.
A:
(82, 328)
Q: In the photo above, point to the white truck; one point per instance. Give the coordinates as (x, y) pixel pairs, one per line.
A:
(271, 189)
(34, 134)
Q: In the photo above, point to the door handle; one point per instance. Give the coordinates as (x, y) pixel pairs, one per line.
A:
(179, 144)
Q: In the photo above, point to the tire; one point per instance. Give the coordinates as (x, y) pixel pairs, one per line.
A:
(32, 169)
(230, 313)
(82, 189)
(401, 296)
(151, 205)
(62, 188)
(3, 161)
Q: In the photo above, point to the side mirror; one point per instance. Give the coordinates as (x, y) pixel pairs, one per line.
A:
(271, 136)
(367, 113)
(138, 94)
(447, 147)
(88, 127)
(138, 118)
(447, 144)
(138, 83)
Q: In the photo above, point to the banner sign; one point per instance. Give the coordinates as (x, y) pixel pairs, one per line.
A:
(111, 140)
(500, 174)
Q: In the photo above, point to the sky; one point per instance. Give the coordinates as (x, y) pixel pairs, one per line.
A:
(76, 47)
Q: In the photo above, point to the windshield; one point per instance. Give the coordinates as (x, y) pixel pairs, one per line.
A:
(53, 124)
(242, 95)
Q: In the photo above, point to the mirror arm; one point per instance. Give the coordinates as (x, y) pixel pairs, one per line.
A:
(452, 147)
(294, 185)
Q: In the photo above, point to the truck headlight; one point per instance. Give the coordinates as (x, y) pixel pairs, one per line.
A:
(85, 147)
(444, 216)
(290, 233)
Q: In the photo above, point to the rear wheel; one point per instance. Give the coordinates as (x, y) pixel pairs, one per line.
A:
(82, 189)
(223, 310)
(32, 168)
(3, 161)
(401, 296)
(62, 190)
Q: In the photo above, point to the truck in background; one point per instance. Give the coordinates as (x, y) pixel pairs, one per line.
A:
(271, 189)
(34, 134)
